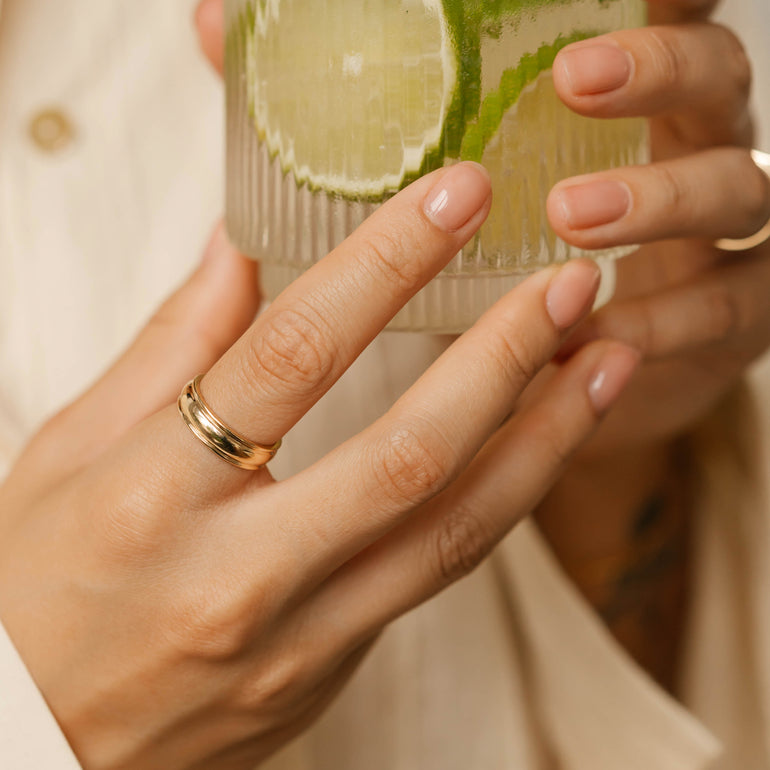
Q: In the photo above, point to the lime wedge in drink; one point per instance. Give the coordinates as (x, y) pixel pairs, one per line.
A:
(345, 107)
(549, 142)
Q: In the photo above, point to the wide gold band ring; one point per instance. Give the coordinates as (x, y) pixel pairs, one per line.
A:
(762, 159)
(209, 429)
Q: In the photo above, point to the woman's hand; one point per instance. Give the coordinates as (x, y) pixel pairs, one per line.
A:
(619, 517)
(177, 612)
(699, 315)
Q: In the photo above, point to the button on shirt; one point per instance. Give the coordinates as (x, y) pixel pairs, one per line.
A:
(110, 161)
(51, 130)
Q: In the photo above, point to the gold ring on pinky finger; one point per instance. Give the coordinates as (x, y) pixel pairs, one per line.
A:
(762, 159)
(209, 429)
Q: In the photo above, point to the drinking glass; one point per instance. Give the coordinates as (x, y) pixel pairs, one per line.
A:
(335, 105)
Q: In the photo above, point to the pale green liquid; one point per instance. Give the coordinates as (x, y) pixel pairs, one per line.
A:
(289, 226)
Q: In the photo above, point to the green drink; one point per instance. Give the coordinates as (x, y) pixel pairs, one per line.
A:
(335, 105)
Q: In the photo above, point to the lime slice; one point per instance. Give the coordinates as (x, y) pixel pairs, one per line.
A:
(378, 102)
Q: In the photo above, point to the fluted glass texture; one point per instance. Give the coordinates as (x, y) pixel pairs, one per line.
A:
(335, 105)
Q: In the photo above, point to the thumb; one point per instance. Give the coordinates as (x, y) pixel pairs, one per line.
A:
(187, 334)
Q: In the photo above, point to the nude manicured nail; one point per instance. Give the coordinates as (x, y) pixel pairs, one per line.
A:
(611, 377)
(590, 205)
(596, 68)
(457, 196)
(572, 292)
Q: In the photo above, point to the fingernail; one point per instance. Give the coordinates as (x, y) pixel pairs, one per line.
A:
(596, 68)
(457, 196)
(572, 292)
(611, 377)
(597, 203)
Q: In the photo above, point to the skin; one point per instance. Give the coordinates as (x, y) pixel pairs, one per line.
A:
(134, 561)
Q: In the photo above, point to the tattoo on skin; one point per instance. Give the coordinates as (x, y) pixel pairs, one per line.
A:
(645, 599)
(628, 552)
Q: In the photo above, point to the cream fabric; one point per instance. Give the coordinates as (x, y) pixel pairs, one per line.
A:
(508, 669)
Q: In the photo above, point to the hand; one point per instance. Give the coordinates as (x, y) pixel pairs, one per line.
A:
(177, 612)
(699, 315)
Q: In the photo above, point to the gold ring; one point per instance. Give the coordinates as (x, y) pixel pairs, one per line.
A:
(762, 159)
(207, 427)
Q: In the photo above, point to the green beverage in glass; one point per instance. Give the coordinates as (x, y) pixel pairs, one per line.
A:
(335, 105)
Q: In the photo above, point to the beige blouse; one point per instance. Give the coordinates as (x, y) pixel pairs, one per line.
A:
(110, 161)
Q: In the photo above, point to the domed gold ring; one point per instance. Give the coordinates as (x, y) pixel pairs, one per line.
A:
(208, 428)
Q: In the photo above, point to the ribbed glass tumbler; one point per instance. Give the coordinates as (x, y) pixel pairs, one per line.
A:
(335, 105)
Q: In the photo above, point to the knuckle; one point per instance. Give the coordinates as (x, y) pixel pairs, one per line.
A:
(513, 358)
(413, 464)
(129, 525)
(215, 626)
(278, 689)
(203, 638)
(385, 256)
(459, 545)
(674, 195)
(124, 534)
(668, 61)
(292, 351)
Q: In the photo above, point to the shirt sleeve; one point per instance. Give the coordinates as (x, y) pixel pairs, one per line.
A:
(30, 738)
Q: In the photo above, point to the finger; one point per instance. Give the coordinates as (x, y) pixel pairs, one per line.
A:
(719, 193)
(312, 333)
(726, 305)
(186, 335)
(697, 75)
(455, 532)
(209, 21)
(435, 428)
